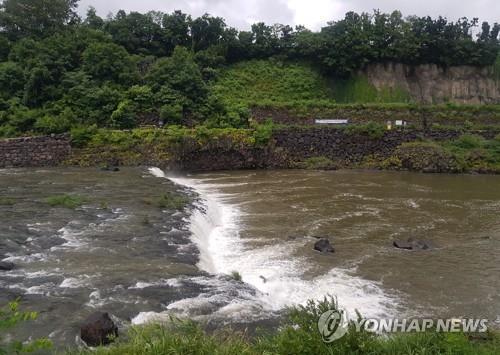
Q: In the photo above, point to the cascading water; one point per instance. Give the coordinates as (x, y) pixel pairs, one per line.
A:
(279, 279)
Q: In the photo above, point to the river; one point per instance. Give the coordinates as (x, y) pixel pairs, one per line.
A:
(139, 262)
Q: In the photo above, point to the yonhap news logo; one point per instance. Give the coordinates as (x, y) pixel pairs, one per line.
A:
(334, 324)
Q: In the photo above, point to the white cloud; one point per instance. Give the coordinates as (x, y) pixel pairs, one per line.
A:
(311, 13)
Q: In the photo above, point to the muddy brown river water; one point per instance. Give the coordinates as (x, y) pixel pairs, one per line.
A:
(140, 262)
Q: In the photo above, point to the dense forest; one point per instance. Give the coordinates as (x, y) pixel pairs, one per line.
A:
(58, 70)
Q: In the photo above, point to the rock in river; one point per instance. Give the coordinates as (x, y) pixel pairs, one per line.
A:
(6, 266)
(412, 244)
(323, 245)
(98, 329)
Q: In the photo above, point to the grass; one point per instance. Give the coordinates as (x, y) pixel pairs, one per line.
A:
(317, 163)
(236, 275)
(169, 201)
(359, 90)
(66, 201)
(6, 201)
(271, 80)
(298, 334)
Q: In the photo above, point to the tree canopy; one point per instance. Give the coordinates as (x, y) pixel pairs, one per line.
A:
(58, 70)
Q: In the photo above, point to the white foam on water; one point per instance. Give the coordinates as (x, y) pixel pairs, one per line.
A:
(270, 269)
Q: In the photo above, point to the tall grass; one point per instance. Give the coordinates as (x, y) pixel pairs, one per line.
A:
(297, 335)
(359, 90)
(258, 80)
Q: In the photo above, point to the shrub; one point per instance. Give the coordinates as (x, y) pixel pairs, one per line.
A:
(67, 201)
(82, 135)
(372, 129)
(263, 133)
(10, 316)
(5, 201)
(317, 163)
(124, 116)
(426, 157)
(235, 275)
(468, 141)
(50, 124)
(171, 114)
(169, 201)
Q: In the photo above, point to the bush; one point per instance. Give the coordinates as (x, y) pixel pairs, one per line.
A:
(235, 275)
(82, 135)
(124, 116)
(10, 316)
(468, 141)
(427, 157)
(169, 201)
(171, 114)
(263, 133)
(372, 129)
(317, 163)
(297, 335)
(66, 201)
(49, 124)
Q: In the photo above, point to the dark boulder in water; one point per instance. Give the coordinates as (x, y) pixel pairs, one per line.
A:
(110, 168)
(98, 329)
(6, 266)
(412, 244)
(323, 245)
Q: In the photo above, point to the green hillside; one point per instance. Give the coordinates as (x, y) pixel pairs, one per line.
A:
(258, 82)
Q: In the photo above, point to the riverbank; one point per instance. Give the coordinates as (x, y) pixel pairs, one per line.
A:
(265, 146)
(298, 335)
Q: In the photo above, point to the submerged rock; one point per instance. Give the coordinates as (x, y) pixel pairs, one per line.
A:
(323, 245)
(110, 168)
(412, 244)
(6, 266)
(98, 329)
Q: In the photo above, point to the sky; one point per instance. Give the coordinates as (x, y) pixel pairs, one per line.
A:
(311, 13)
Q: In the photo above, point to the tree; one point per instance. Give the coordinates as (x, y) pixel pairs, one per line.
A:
(93, 20)
(11, 80)
(36, 18)
(179, 73)
(138, 33)
(176, 29)
(206, 31)
(109, 61)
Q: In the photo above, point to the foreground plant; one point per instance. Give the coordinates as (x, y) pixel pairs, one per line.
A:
(10, 316)
(298, 335)
(67, 201)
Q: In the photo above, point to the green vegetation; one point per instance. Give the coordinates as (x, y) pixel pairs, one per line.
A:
(358, 89)
(6, 201)
(169, 201)
(67, 201)
(317, 163)
(10, 316)
(298, 335)
(236, 276)
(271, 81)
(371, 129)
(468, 153)
(60, 72)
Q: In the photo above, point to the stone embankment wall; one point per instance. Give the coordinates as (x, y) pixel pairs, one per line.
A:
(286, 148)
(289, 146)
(34, 151)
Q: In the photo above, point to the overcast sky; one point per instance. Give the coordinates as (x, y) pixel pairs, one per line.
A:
(311, 13)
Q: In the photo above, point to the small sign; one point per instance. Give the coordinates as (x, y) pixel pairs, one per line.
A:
(399, 123)
(332, 121)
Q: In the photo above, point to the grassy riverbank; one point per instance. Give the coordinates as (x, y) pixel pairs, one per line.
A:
(298, 335)
(466, 152)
